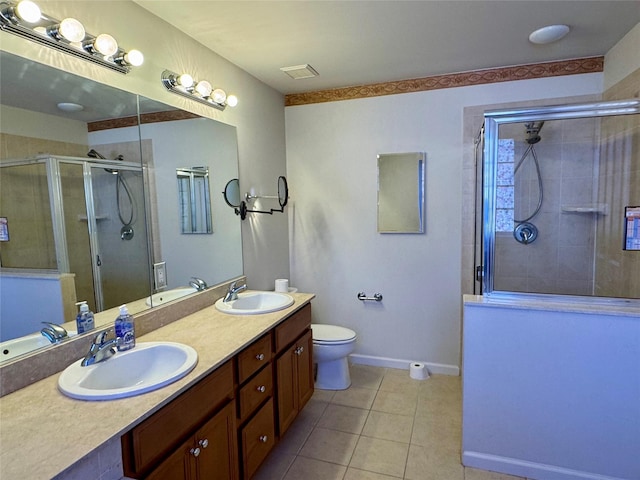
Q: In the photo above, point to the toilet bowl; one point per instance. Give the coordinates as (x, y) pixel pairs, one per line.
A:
(331, 346)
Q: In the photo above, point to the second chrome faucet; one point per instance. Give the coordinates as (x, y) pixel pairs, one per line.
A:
(232, 293)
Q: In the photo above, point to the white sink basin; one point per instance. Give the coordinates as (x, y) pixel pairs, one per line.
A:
(254, 303)
(19, 346)
(161, 298)
(146, 367)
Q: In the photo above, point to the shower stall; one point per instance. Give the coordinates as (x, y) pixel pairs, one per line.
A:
(78, 215)
(558, 201)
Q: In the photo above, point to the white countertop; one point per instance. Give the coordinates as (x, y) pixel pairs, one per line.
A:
(42, 432)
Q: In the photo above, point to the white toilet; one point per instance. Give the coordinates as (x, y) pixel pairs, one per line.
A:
(331, 346)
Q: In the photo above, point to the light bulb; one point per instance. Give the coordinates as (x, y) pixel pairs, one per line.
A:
(28, 11)
(134, 58)
(219, 96)
(232, 100)
(204, 88)
(71, 29)
(105, 44)
(185, 80)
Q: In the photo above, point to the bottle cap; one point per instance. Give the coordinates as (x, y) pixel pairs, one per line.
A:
(124, 310)
(83, 306)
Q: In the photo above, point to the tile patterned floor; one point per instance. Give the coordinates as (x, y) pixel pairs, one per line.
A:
(386, 426)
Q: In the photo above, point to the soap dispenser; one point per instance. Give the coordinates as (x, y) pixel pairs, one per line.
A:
(125, 330)
(84, 320)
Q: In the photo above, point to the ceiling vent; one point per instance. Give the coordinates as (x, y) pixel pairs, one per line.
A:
(298, 72)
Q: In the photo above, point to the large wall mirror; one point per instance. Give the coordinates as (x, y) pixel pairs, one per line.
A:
(89, 194)
(401, 192)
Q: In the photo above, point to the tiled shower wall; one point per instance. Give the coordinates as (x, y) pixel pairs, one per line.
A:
(561, 259)
(25, 191)
(619, 186)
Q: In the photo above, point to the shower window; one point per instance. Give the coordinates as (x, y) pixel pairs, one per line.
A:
(505, 187)
(556, 182)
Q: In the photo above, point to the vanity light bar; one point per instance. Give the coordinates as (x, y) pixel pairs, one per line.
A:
(68, 35)
(200, 91)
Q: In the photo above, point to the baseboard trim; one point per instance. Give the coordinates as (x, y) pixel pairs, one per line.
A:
(523, 468)
(435, 368)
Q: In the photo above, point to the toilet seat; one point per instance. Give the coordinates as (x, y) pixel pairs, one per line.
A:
(331, 334)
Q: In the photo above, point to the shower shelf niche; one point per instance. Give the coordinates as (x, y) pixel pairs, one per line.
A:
(598, 208)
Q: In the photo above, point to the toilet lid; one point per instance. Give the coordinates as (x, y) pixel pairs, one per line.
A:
(331, 333)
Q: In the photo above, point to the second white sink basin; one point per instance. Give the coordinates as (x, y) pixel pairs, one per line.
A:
(147, 367)
(161, 298)
(254, 303)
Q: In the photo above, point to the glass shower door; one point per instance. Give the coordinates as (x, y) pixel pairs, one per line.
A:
(76, 229)
(118, 235)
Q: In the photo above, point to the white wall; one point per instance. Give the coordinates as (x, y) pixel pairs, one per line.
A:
(551, 395)
(259, 116)
(335, 249)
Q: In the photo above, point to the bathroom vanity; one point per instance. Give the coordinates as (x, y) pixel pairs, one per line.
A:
(254, 374)
(249, 398)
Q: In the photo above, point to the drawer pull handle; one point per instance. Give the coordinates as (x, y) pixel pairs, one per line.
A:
(260, 357)
(263, 438)
(204, 443)
(299, 350)
(195, 452)
(262, 389)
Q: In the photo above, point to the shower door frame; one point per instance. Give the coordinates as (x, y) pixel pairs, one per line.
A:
(493, 119)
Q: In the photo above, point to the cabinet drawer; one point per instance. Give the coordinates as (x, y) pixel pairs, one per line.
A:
(258, 438)
(254, 357)
(255, 392)
(150, 441)
(293, 327)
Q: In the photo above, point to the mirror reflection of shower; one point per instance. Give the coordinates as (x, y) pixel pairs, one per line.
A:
(69, 223)
(126, 232)
(526, 232)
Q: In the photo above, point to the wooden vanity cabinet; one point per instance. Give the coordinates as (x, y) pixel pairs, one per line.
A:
(294, 366)
(167, 441)
(256, 435)
(209, 454)
(224, 426)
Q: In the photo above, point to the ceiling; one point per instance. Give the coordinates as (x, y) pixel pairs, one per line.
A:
(363, 42)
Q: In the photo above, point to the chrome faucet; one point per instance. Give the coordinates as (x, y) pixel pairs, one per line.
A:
(232, 293)
(198, 284)
(54, 332)
(100, 350)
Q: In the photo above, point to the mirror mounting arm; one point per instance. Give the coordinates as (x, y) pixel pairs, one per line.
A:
(232, 197)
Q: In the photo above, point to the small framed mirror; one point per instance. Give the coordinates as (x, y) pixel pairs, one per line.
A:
(283, 191)
(401, 191)
(194, 199)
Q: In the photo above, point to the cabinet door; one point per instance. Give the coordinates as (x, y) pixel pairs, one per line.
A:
(305, 369)
(180, 465)
(287, 388)
(218, 447)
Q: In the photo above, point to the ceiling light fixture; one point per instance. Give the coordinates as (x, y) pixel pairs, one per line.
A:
(26, 20)
(200, 91)
(70, 107)
(548, 34)
(298, 72)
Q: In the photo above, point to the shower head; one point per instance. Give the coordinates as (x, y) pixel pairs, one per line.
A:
(533, 132)
(93, 154)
